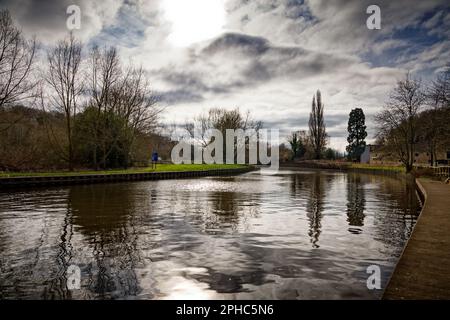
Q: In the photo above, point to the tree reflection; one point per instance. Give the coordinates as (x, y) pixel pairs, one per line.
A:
(356, 201)
(218, 211)
(224, 205)
(297, 184)
(57, 284)
(154, 238)
(399, 197)
(104, 214)
(315, 205)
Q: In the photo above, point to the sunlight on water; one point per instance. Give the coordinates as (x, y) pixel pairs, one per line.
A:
(290, 235)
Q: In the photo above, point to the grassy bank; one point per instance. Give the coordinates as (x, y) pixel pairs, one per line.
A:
(340, 165)
(374, 167)
(159, 168)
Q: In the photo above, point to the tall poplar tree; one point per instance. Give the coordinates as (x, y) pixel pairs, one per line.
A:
(317, 132)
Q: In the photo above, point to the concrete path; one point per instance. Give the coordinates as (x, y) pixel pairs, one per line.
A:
(423, 271)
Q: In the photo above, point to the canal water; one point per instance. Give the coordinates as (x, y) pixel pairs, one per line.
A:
(290, 235)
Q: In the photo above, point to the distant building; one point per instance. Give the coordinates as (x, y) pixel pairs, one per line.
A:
(374, 154)
(370, 154)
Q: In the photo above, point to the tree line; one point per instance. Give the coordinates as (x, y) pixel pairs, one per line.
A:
(416, 118)
(84, 107)
(312, 144)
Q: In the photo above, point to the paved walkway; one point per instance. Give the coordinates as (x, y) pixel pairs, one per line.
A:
(423, 271)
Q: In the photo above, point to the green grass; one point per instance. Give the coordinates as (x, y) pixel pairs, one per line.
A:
(159, 168)
(373, 167)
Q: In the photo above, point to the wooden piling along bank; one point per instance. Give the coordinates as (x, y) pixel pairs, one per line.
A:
(15, 182)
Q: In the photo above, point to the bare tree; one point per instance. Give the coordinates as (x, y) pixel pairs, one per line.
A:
(65, 85)
(439, 91)
(317, 132)
(134, 102)
(16, 62)
(434, 128)
(430, 132)
(222, 119)
(398, 120)
(121, 106)
(104, 73)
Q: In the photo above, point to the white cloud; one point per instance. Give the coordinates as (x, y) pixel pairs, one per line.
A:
(273, 57)
(193, 21)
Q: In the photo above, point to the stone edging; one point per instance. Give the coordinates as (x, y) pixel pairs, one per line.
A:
(19, 182)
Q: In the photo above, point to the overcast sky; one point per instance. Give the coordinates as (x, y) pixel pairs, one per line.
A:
(266, 56)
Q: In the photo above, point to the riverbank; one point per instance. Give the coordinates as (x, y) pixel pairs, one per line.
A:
(163, 171)
(423, 269)
(343, 166)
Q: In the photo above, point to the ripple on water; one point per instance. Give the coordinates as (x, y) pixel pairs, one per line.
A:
(280, 236)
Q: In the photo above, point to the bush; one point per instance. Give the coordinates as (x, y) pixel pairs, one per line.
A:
(102, 140)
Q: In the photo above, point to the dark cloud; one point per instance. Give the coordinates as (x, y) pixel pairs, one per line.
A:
(300, 120)
(39, 14)
(46, 19)
(248, 62)
(184, 79)
(246, 44)
(173, 97)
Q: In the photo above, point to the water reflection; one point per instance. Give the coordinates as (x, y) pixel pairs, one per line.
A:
(283, 236)
(314, 207)
(313, 187)
(404, 196)
(224, 211)
(55, 285)
(105, 216)
(356, 202)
